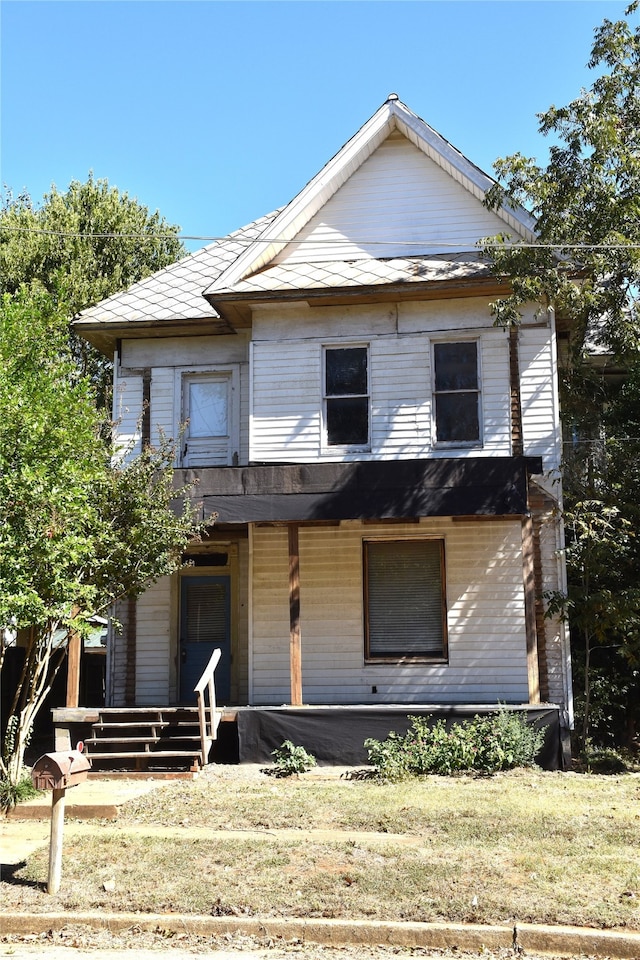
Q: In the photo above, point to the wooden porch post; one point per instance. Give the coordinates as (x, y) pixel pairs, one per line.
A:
(74, 656)
(295, 653)
(529, 580)
(517, 446)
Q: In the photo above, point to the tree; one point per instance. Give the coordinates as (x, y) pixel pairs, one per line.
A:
(83, 245)
(586, 201)
(76, 531)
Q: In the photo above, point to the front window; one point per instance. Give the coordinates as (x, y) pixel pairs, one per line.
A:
(456, 392)
(346, 396)
(405, 600)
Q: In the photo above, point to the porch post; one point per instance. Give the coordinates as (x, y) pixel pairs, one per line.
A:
(529, 580)
(295, 653)
(74, 656)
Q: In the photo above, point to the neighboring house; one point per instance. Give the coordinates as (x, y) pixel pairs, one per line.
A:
(380, 460)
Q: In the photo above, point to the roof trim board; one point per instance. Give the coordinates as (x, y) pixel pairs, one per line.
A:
(393, 114)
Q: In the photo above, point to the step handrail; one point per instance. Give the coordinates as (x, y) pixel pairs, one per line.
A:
(207, 714)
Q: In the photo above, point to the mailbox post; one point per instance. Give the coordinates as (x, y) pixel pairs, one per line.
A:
(58, 771)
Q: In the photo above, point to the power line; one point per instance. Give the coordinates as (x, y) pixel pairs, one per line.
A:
(517, 245)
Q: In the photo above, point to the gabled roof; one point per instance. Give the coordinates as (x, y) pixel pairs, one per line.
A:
(173, 293)
(210, 290)
(392, 115)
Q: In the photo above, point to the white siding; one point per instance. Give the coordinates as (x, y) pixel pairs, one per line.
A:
(127, 411)
(541, 430)
(398, 194)
(287, 378)
(153, 644)
(487, 644)
(163, 401)
(167, 359)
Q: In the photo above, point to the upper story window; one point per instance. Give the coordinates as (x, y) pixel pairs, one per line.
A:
(346, 396)
(456, 392)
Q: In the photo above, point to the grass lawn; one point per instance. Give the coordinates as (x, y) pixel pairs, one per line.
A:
(524, 846)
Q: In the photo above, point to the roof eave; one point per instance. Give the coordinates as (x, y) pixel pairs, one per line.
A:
(228, 303)
(105, 336)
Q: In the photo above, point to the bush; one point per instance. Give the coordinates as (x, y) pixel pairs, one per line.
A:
(13, 793)
(290, 760)
(498, 741)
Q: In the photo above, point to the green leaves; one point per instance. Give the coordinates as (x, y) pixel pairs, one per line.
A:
(76, 532)
(586, 203)
(82, 246)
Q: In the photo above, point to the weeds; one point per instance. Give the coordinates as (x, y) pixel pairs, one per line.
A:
(290, 761)
(500, 741)
(14, 793)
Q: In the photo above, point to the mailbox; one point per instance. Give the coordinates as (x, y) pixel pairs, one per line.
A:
(57, 771)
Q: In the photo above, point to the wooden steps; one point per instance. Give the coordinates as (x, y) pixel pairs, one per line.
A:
(157, 740)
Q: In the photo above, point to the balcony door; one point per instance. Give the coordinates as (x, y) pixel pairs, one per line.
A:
(209, 403)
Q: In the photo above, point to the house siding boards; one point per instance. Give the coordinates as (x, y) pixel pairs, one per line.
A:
(287, 421)
(483, 573)
(399, 202)
(169, 360)
(153, 648)
(537, 395)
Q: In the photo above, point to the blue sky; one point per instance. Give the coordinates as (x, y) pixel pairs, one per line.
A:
(218, 112)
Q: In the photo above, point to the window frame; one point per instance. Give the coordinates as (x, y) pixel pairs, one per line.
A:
(373, 659)
(453, 444)
(185, 376)
(329, 448)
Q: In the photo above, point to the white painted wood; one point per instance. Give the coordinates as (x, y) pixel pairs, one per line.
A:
(393, 119)
(153, 620)
(487, 645)
(399, 203)
(185, 351)
(287, 411)
(540, 425)
(127, 412)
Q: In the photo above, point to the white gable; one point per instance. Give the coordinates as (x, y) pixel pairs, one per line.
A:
(393, 120)
(398, 203)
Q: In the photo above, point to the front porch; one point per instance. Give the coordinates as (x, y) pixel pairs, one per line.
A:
(149, 741)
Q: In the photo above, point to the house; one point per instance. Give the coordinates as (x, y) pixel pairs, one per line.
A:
(379, 461)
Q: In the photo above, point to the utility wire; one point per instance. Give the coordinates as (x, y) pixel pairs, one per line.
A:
(516, 245)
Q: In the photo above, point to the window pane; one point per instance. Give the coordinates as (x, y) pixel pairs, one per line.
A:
(206, 611)
(346, 371)
(457, 417)
(405, 598)
(208, 402)
(348, 421)
(456, 366)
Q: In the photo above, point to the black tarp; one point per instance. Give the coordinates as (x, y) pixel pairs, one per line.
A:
(336, 735)
(368, 490)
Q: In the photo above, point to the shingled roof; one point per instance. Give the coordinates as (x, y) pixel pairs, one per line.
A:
(175, 292)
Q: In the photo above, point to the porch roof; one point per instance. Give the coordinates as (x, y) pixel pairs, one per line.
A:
(367, 490)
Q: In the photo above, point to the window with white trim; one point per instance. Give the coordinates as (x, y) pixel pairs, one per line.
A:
(346, 397)
(456, 394)
(208, 415)
(405, 612)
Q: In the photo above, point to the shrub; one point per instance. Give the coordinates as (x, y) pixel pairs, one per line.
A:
(498, 741)
(290, 760)
(13, 793)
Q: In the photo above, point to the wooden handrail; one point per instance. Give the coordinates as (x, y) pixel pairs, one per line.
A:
(207, 713)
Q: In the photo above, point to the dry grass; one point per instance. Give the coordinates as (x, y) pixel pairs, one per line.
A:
(523, 846)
